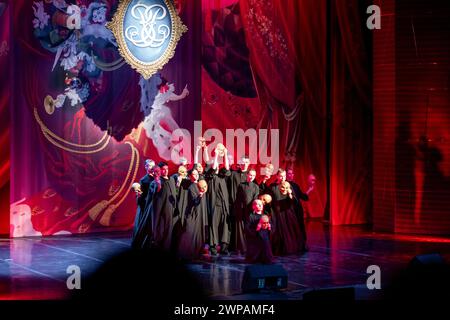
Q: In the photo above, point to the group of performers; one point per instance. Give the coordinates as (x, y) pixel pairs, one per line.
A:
(219, 208)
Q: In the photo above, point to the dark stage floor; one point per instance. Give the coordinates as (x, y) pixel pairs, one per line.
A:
(35, 268)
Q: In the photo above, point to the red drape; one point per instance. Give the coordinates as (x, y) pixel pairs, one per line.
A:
(66, 177)
(287, 43)
(351, 138)
(288, 47)
(5, 53)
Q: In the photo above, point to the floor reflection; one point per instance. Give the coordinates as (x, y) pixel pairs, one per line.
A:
(35, 268)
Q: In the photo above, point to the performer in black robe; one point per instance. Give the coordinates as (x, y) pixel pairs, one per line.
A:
(247, 192)
(195, 235)
(287, 235)
(267, 203)
(165, 207)
(183, 194)
(280, 178)
(257, 231)
(147, 222)
(201, 146)
(238, 174)
(217, 196)
(182, 184)
(263, 183)
(179, 176)
(141, 195)
(177, 179)
(299, 195)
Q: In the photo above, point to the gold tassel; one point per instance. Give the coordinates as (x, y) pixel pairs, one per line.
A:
(95, 210)
(105, 220)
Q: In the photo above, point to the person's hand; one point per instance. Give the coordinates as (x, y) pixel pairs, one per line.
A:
(259, 226)
(311, 188)
(179, 179)
(289, 191)
(198, 148)
(311, 181)
(185, 92)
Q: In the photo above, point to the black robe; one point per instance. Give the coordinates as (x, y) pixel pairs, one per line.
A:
(195, 231)
(268, 211)
(144, 230)
(235, 178)
(165, 206)
(140, 200)
(218, 208)
(287, 237)
(182, 203)
(183, 199)
(247, 192)
(264, 188)
(233, 181)
(299, 195)
(174, 178)
(259, 248)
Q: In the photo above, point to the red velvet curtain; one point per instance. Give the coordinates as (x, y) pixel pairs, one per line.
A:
(287, 44)
(288, 48)
(5, 54)
(350, 132)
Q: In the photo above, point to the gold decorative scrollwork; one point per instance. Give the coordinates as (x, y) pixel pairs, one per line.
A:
(146, 69)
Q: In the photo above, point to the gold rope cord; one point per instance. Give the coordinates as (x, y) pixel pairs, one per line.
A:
(53, 138)
(46, 135)
(107, 204)
(104, 204)
(133, 156)
(105, 220)
(134, 176)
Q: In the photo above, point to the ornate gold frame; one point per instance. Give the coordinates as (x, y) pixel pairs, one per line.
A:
(146, 69)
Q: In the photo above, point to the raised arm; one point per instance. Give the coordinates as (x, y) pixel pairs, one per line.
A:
(206, 154)
(227, 162)
(184, 94)
(215, 166)
(197, 151)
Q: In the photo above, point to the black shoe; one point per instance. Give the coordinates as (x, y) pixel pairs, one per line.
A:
(213, 251)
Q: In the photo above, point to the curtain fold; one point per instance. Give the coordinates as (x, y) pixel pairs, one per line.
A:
(351, 137)
(5, 96)
(287, 43)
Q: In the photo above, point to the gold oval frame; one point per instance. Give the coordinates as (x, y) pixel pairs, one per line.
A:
(146, 69)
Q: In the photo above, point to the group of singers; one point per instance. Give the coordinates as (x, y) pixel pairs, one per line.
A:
(220, 208)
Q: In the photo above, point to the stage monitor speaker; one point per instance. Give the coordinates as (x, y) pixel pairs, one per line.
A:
(432, 259)
(264, 276)
(330, 294)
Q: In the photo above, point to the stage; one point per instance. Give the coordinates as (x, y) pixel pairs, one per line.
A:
(35, 268)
